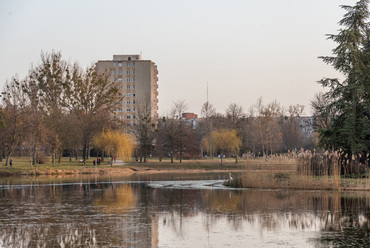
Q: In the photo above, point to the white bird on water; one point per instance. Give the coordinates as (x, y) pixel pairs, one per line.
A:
(231, 178)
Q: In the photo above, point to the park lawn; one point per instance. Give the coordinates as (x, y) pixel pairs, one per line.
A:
(22, 166)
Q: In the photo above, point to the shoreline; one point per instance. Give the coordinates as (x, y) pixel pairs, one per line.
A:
(131, 170)
(115, 170)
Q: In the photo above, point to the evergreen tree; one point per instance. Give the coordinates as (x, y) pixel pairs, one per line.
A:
(349, 127)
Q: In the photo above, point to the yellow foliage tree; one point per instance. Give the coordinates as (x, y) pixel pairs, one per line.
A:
(225, 140)
(115, 143)
(117, 200)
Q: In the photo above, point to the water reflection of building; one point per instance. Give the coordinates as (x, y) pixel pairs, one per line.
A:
(139, 235)
(78, 215)
(134, 228)
(133, 215)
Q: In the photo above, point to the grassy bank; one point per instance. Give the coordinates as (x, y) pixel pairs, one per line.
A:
(22, 166)
(272, 173)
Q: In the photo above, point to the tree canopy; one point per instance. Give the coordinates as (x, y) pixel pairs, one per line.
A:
(348, 103)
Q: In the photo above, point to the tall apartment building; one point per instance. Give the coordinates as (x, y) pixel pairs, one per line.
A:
(138, 84)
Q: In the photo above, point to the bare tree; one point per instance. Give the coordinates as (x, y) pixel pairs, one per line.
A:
(167, 138)
(234, 112)
(13, 124)
(91, 97)
(179, 108)
(145, 128)
(266, 125)
(292, 133)
(322, 113)
(207, 110)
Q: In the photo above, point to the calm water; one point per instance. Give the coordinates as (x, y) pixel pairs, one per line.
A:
(196, 211)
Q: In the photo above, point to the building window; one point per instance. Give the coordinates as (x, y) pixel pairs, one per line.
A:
(133, 117)
(133, 86)
(114, 64)
(120, 110)
(128, 72)
(119, 64)
(120, 72)
(120, 116)
(133, 72)
(128, 102)
(128, 110)
(128, 79)
(133, 80)
(133, 102)
(128, 64)
(120, 87)
(134, 109)
(128, 87)
(120, 79)
(128, 94)
(128, 117)
(115, 79)
(133, 94)
(133, 63)
(114, 72)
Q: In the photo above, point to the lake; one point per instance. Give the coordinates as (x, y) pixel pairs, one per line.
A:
(192, 210)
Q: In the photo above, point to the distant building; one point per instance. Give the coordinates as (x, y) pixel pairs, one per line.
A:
(191, 119)
(189, 116)
(138, 84)
(306, 125)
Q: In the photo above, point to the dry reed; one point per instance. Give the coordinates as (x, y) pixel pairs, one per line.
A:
(314, 170)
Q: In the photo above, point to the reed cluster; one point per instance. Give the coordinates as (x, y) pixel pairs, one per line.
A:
(314, 170)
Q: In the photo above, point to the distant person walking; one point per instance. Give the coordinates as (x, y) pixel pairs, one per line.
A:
(11, 162)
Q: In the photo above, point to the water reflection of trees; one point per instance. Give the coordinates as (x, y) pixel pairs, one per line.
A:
(85, 215)
(330, 212)
(113, 214)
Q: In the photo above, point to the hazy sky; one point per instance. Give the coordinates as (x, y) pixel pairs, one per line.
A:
(244, 49)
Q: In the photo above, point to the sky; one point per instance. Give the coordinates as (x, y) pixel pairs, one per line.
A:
(242, 49)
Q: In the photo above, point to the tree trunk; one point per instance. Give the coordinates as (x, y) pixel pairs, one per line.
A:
(34, 154)
(84, 152)
(53, 157)
(60, 155)
(180, 154)
(211, 151)
(144, 152)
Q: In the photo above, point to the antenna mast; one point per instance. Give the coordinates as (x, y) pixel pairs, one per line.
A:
(207, 91)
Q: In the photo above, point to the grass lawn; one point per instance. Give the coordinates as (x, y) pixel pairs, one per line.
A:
(22, 165)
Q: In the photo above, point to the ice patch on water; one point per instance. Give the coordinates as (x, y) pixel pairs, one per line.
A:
(208, 184)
